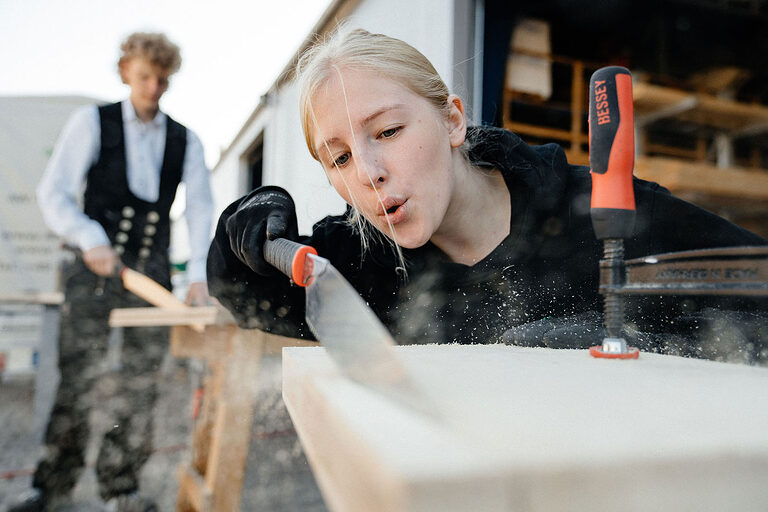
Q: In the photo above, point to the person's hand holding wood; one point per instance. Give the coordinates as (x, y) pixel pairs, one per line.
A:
(197, 295)
(102, 260)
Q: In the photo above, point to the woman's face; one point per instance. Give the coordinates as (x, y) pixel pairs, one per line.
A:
(388, 152)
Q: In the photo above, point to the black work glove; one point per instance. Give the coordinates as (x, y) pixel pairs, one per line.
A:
(721, 335)
(266, 213)
(586, 330)
(574, 331)
(582, 331)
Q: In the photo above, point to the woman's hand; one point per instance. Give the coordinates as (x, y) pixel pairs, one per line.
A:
(266, 213)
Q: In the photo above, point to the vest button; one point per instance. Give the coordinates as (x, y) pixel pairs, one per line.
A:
(128, 212)
(146, 241)
(144, 252)
(121, 237)
(150, 230)
(125, 225)
(153, 217)
(119, 249)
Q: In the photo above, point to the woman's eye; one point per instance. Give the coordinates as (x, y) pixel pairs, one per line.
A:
(390, 132)
(340, 161)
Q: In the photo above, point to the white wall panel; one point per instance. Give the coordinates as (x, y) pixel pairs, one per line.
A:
(427, 25)
(287, 163)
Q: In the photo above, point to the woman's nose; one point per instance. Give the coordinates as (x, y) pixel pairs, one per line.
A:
(370, 170)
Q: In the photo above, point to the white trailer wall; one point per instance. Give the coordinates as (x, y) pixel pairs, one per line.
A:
(287, 163)
(428, 25)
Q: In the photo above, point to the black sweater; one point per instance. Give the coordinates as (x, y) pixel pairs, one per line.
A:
(546, 267)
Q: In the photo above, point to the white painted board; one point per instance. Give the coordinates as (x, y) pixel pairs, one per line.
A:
(531, 429)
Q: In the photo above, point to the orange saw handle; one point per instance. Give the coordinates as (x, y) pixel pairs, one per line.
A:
(612, 152)
(289, 257)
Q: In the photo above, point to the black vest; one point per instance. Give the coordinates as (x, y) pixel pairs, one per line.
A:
(137, 229)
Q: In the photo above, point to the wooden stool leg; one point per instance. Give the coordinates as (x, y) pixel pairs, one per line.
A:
(213, 346)
(213, 480)
(193, 496)
(232, 428)
(203, 429)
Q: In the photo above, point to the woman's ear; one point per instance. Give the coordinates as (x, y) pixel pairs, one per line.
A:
(457, 122)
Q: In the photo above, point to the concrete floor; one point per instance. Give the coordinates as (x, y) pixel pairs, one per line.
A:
(277, 476)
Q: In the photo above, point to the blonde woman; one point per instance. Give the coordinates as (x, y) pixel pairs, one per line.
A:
(453, 233)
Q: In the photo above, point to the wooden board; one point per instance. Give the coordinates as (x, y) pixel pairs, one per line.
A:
(47, 298)
(700, 177)
(149, 290)
(189, 315)
(702, 109)
(536, 430)
(697, 177)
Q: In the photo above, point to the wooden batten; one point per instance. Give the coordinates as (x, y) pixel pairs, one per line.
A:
(705, 109)
(701, 177)
(187, 315)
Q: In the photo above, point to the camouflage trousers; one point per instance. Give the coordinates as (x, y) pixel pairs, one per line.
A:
(83, 343)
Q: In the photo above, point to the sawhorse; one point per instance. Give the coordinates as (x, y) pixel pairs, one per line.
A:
(212, 480)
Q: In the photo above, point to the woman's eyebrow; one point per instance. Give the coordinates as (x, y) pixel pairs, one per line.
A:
(381, 111)
(333, 140)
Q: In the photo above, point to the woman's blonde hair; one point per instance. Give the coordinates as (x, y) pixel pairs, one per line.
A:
(362, 50)
(155, 47)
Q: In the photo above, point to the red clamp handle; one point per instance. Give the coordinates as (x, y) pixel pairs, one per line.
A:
(612, 152)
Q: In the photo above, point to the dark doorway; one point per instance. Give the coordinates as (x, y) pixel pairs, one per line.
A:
(255, 164)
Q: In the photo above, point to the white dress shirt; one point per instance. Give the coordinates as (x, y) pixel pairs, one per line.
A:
(60, 191)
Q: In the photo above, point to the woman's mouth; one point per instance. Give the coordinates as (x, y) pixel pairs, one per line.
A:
(394, 210)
